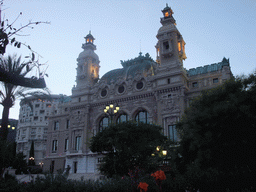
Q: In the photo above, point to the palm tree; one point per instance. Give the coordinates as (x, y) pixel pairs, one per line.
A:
(11, 92)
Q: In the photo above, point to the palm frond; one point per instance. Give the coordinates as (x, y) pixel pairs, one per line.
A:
(15, 68)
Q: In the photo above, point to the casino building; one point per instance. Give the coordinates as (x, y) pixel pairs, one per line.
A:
(152, 91)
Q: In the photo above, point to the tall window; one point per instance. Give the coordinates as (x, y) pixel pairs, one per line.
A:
(78, 143)
(66, 144)
(142, 116)
(103, 123)
(67, 124)
(173, 134)
(122, 118)
(75, 166)
(56, 125)
(54, 146)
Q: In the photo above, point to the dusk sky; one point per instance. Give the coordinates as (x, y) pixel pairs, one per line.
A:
(212, 29)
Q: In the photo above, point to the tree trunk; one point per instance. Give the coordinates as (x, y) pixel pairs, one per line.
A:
(3, 136)
(4, 125)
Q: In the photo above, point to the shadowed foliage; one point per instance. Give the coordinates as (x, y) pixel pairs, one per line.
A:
(127, 145)
(218, 135)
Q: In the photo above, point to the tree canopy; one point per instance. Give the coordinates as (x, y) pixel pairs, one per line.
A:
(11, 92)
(8, 34)
(127, 145)
(219, 129)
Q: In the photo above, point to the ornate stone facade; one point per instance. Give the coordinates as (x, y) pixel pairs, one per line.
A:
(145, 90)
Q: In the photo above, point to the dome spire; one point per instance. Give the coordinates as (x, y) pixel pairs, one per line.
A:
(89, 42)
(167, 12)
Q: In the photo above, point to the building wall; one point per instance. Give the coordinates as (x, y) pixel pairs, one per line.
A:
(161, 89)
(33, 125)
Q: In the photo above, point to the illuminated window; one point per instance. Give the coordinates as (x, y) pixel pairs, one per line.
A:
(179, 46)
(103, 123)
(87, 40)
(142, 116)
(166, 14)
(122, 118)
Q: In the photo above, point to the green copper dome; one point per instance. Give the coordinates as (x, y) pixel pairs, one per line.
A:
(141, 64)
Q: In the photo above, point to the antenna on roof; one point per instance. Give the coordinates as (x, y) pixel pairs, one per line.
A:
(140, 45)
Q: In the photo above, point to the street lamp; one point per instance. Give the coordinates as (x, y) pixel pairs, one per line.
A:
(41, 164)
(111, 111)
(164, 152)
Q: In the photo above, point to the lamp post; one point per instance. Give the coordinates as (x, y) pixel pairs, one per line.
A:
(31, 160)
(41, 164)
(111, 111)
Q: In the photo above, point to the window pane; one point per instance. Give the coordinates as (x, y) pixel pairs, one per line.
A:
(66, 144)
(142, 117)
(122, 118)
(78, 139)
(173, 135)
(54, 145)
(103, 123)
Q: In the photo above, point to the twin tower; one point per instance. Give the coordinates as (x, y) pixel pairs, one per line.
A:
(170, 50)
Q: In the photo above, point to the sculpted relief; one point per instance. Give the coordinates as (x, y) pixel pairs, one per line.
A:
(78, 118)
(171, 102)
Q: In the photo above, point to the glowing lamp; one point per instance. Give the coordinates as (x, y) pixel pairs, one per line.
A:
(111, 106)
(157, 148)
(105, 110)
(107, 107)
(164, 152)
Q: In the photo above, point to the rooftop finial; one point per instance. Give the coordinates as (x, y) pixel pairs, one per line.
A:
(166, 4)
(90, 32)
(140, 45)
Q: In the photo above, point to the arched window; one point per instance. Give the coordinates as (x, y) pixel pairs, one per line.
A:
(142, 116)
(103, 123)
(122, 118)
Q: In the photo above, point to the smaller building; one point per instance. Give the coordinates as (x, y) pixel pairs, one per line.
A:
(33, 124)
